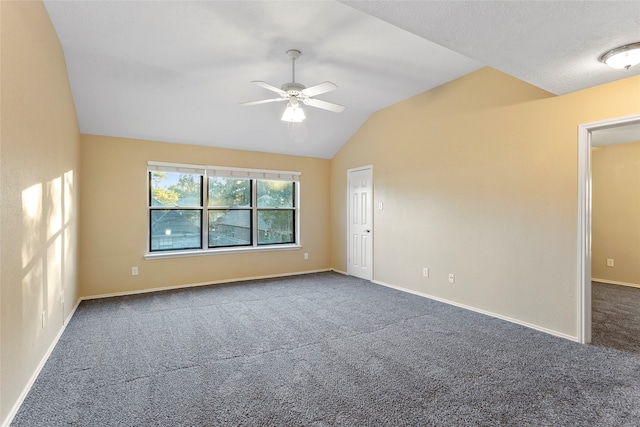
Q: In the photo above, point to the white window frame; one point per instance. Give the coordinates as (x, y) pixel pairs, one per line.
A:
(224, 172)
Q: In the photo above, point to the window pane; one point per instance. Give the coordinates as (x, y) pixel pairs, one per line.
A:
(275, 194)
(229, 227)
(275, 226)
(229, 192)
(175, 189)
(173, 229)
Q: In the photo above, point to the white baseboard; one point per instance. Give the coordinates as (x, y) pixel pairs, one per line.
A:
(193, 285)
(477, 310)
(344, 273)
(14, 410)
(613, 282)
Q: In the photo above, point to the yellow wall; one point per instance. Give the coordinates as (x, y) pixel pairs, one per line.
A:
(113, 233)
(39, 158)
(616, 213)
(478, 177)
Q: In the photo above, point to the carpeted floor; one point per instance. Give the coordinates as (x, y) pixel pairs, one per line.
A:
(616, 317)
(319, 350)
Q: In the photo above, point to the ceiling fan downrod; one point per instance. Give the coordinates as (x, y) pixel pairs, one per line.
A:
(293, 54)
(292, 87)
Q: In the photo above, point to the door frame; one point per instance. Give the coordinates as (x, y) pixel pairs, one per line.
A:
(584, 219)
(349, 171)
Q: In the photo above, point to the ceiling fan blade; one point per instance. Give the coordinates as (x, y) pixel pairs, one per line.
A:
(319, 88)
(269, 87)
(264, 101)
(324, 105)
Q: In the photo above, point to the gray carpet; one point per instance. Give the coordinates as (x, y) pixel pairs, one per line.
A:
(616, 316)
(320, 350)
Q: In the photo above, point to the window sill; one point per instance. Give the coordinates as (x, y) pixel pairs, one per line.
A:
(220, 251)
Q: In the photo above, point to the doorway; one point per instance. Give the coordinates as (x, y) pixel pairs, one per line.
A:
(360, 222)
(585, 132)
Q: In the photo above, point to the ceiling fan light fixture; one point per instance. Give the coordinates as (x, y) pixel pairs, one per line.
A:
(622, 57)
(293, 114)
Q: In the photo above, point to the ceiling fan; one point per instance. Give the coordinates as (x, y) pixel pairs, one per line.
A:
(296, 93)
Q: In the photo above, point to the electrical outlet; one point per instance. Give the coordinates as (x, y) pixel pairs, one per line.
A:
(452, 278)
(134, 271)
(610, 262)
(425, 272)
(306, 255)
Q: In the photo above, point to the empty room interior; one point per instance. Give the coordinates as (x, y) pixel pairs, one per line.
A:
(397, 158)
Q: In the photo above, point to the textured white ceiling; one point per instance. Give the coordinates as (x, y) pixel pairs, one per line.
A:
(176, 71)
(554, 45)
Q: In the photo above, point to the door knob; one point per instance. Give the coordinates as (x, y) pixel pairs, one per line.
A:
(367, 231)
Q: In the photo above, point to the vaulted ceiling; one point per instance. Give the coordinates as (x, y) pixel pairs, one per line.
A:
(177, 71)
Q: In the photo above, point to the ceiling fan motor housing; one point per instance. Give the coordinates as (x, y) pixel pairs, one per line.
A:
(293, 89)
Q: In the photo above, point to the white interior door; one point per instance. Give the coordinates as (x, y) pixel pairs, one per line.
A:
(360, 228)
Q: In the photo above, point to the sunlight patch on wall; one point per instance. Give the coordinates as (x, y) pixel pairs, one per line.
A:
(31, 219)
(47, 248)
(53, 280)
(54, 207)
(68, 196)
(32, 300)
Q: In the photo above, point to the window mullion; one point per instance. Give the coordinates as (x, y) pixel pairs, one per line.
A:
(254, 212)
(205, 211)
(296, 212)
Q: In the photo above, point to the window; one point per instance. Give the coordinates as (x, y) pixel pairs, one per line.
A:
(240, 209)
(175, 202)
(276, 213)
(230, 210)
